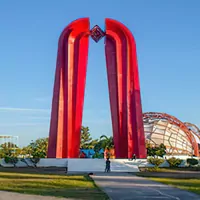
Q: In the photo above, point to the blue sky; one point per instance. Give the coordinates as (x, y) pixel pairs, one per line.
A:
(168, 46)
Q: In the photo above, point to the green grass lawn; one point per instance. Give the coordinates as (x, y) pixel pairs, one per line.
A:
(192, 185)
(80, 187)
(157, 169)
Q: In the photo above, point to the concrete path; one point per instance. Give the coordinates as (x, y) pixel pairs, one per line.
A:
(16, 196)
(123, 186)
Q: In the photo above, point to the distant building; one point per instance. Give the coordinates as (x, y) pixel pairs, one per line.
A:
(9, 141)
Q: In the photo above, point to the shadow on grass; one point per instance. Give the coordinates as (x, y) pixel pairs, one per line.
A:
(31, 170)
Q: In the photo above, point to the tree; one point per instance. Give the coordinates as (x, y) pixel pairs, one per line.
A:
(104, 143)
(11, 159)
(5, 151)
(107, 142)
(37, 148)
(86, 140)
(9, 149)
(9, 145)
(150, 150)
(161, 150)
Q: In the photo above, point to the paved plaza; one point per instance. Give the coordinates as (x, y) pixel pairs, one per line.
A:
(124, 186)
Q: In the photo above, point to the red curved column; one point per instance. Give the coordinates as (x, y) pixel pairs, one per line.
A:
(69, 87)
(124, 91)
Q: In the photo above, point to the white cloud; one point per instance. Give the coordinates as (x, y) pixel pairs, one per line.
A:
(11, 109)
(36, 117)
(23, 124)
(42, 99)
(97, 121)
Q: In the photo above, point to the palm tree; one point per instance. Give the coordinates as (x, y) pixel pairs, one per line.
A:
(104, 143)
(107, 142)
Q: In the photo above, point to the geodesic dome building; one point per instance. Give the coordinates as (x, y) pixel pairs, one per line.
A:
(178, 137)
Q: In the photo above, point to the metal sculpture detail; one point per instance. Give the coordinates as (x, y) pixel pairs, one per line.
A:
(174, 134)
(96, 33)
(69, 87)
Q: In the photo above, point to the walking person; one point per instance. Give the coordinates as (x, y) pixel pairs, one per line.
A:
(134, 157)
(107, 169)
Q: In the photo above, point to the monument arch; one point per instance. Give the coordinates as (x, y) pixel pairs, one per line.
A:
(123, 84)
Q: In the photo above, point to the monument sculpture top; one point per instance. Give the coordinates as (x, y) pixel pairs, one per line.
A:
(97, 33)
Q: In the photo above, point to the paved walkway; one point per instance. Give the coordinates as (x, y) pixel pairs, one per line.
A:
(16, 196)
(123, 186)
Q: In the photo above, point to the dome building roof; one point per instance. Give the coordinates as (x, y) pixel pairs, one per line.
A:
(178, 138)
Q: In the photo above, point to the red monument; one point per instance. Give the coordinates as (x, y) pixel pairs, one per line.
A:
(69, 87)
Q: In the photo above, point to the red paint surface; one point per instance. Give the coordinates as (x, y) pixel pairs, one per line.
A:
(68, 95)
(69, 87)
(124, 90)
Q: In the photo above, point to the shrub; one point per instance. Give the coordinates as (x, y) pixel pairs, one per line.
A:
(150, 169)
(192, 161)
(153, 169)
(156, 150)
(174, 162)
(156, 161)
(7, 159)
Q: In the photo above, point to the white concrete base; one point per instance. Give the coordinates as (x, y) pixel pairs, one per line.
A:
(98, 165)
(53, 162)
(44, 162)
(90, 165)
(164, 164)
(4, 164)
